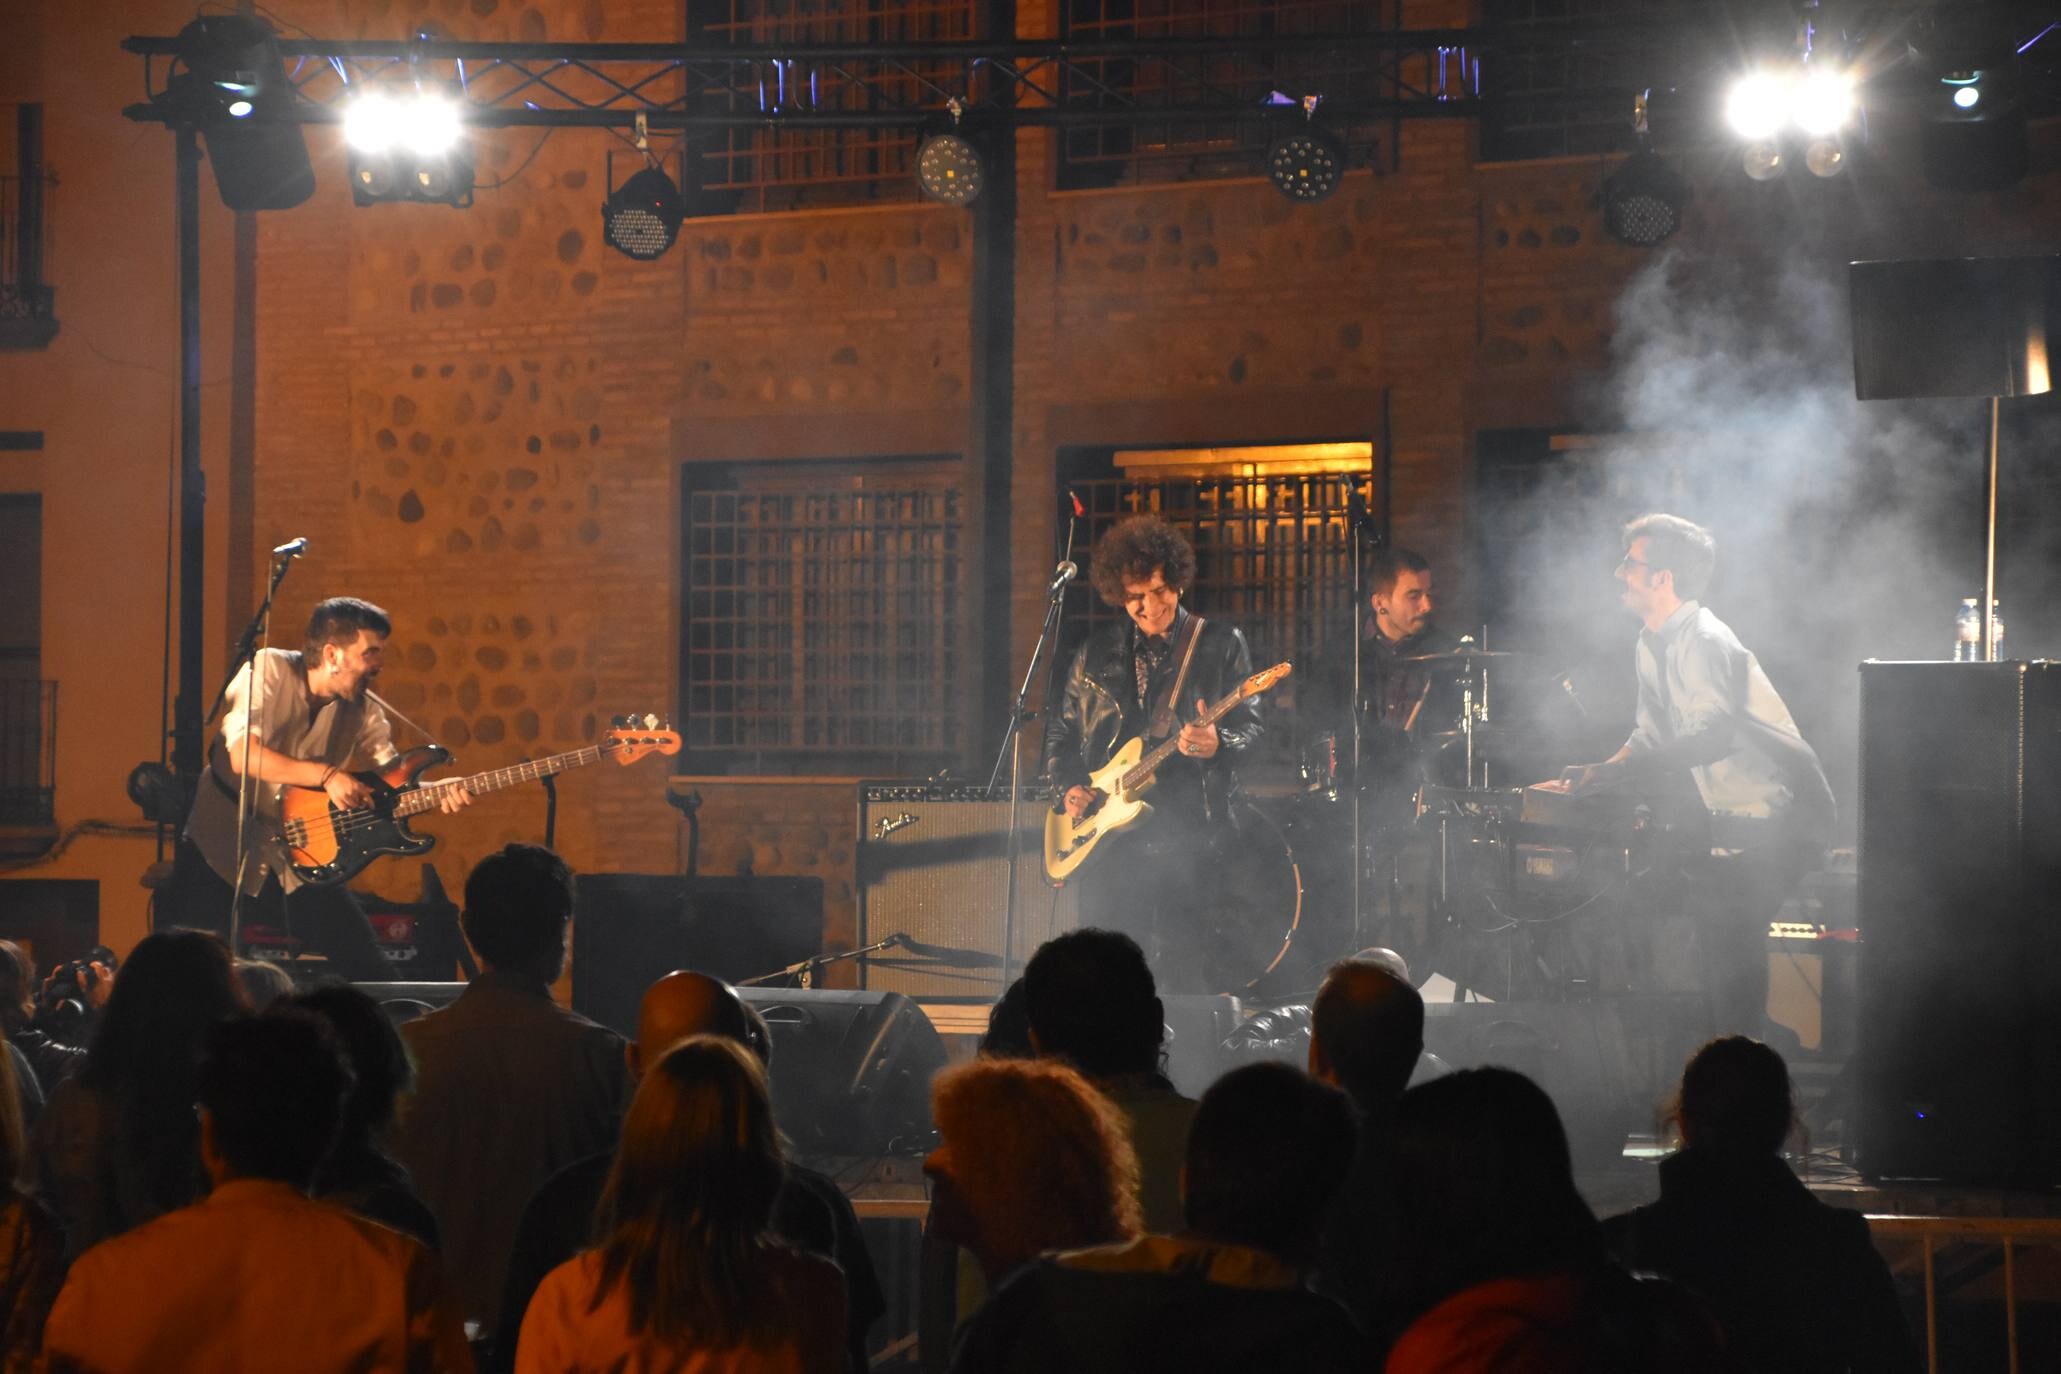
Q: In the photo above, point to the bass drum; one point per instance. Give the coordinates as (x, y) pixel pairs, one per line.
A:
(1256, 900)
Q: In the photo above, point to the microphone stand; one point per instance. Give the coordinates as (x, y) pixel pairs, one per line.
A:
(1012, 748)
(805, 969)
(1359, 526)
(256, 638)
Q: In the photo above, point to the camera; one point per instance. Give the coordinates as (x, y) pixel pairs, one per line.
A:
(64, 1010)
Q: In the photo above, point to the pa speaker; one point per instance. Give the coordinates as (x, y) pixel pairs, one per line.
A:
(1960, 960)
(934, 865)
(1585, 1055)
(851, 1071)
(630, 929)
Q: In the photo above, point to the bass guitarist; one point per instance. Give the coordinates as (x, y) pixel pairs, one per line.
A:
(1146, 676)
(311, 719)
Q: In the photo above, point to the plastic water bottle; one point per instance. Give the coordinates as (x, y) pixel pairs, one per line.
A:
(1996, 622)
(1968, 632)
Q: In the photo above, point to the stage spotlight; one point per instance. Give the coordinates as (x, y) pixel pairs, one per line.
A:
(1825, 157)
(408, 147)
(1642, 201)
(1966, 95)
(641, 218)
(1972, 111)
(1306, 163)
(1822, 102)
(1763, 160)
(232, 86)
(1759, 105)
(949, 167)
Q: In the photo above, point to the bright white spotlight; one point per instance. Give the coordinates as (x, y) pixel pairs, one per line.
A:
(431, 125)
(1763, 160)
(372, 123)
(1822, 102)
(1825, 157)
(1967, 96)
(1758, 105)
(239, 108)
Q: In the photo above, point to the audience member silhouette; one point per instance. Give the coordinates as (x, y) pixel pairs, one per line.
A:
(811, 1213)
(359, 1174)
(688, 1273)
(1797, 1284)
(1366, 1035)
(51, 1060)
(31, 1247)
(1008, 1034)
(1267, 1150)
(258, 1275)
(116, 1144)
(510, 1086)
(1505, 1261)
(1092, 1002)
(1031, 1158)
(264, 982)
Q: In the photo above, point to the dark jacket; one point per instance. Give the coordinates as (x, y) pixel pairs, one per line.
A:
(1797, 1284)
(1099, 710)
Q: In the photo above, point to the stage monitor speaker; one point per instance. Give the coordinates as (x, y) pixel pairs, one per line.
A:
(1960, 960)
(851, 1070)
(1587, 1056)
(404, 1002)
(629, 929)
(933, 865)
(1954, 326)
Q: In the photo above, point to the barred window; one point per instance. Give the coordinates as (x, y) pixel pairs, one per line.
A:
(825, 617)
(753, 170)
(1234, 145)
(1575, 99)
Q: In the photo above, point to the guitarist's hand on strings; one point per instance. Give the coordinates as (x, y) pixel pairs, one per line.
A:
(345, 791)
(1199, 741)
(450, 796)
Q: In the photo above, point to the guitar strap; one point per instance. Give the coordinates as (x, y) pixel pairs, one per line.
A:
(1164, 720)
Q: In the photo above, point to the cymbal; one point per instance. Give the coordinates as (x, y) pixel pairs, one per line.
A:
(1462, 655)
(1485, 737)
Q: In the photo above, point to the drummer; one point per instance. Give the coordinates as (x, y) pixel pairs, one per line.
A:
(1401, 702)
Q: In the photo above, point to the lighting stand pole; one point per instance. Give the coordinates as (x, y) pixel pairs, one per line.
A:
(1989, 564)
(186, 724)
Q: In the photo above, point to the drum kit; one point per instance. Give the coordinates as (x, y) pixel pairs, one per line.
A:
(1490, 722)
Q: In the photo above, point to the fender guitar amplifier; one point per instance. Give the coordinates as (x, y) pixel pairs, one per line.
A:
(933, 864)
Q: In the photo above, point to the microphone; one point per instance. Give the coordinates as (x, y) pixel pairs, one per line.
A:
(1565, 682)
(1066, 572)
(292, 548)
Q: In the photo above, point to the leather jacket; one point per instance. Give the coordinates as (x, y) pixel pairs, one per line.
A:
(1098, 711)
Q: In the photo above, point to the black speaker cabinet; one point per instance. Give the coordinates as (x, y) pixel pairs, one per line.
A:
(933, 864)
(1960, 961)
(629, 929)
(403, 1002)
(1594, 1059)
(851, 1070)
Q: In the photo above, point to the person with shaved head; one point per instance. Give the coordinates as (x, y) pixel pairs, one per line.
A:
(811, 1212)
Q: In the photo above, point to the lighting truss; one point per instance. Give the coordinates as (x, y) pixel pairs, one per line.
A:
(1381, 74)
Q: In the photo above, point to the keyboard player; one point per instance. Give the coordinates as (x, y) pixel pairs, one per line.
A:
(1707, 707)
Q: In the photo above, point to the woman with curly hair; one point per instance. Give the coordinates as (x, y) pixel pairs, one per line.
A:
(1031, 1158)
(688, 1274)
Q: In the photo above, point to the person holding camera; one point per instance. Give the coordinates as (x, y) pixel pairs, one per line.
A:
(51, 1028)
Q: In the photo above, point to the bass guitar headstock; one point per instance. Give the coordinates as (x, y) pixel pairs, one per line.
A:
(630, 738)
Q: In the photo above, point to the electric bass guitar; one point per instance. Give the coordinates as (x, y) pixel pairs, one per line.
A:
(327, 844)
(1069, 842)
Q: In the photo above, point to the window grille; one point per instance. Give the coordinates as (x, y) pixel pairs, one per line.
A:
(826, 617)
(752, 170)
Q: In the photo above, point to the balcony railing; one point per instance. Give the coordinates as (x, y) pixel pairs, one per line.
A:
(28, 752)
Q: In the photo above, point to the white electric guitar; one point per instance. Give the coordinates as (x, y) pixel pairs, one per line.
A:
(1119, 783)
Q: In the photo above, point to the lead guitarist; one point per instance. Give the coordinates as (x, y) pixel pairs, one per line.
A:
(1148, 675)
(316, 720)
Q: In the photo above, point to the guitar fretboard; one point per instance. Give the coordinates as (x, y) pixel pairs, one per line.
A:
(1142, 774)
(424, 798)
